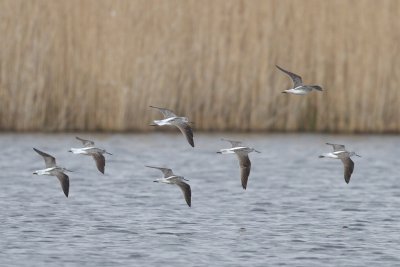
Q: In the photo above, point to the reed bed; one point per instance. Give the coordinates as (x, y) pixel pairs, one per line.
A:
(96, 65)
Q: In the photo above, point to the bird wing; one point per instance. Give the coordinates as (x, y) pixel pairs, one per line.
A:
(166, 112)
(337, 147)
(245, 166)
(297, 81)
(348, 168)
(167, 172)
(64, 181)
(187, 192)
(233, 142)
(49, 160)
(186, 131)
(100, 161)
(86, 143)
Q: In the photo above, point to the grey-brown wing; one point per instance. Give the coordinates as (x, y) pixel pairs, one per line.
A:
(64, 181)
(85, 142)
(100, 161)
(245, 166)
(49, 160)
(297, 81)
(348, 168)
(167, 172)
(166, 112)
(233, 142)
(187, 192)
(337, 147)
(186, 131)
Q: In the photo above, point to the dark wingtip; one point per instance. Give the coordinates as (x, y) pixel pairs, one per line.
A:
(317, 87)
(191, 142)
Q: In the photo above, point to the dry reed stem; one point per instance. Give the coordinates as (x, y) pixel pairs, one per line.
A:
(97, 65)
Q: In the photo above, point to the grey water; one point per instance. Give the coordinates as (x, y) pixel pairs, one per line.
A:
(297, 209)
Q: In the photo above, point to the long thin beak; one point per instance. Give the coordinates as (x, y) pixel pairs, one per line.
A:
(108, 153)
(155, 181)
(34, 173)
(257, 151)
(152, 124)
(69, 170)
(358, 155)
(284, 92)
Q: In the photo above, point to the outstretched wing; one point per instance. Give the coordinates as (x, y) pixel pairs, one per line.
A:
(186, 131)
(64, 181)
(297, 81)
(187, 192)
(167, 172)
(86, 143)
(337, 147)
(100, 161)
(49, 160)
(348, 168)
(233, 142)
(245, 166)
(166, 112)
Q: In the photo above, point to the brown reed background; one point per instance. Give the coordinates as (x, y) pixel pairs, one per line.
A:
(96, 65)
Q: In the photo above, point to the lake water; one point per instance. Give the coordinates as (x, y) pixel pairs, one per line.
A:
(297, 209)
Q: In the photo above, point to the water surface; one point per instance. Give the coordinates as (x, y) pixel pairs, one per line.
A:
(296, 211)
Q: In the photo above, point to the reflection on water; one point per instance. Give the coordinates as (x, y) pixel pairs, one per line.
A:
(297, 209)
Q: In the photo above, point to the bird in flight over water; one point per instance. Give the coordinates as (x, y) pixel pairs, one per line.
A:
(339, 152)
(170, 118)
(242, 152)
(171, 178)
(90, 150)
(53, 170)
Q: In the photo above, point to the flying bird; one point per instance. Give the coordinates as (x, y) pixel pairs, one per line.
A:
(242, 154)
(90, 150)
(170, 118)
(339, 152)
(54, 170)
(298, 87)
(171, 178)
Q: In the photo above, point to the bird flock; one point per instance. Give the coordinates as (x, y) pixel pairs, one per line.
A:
(184, 125)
